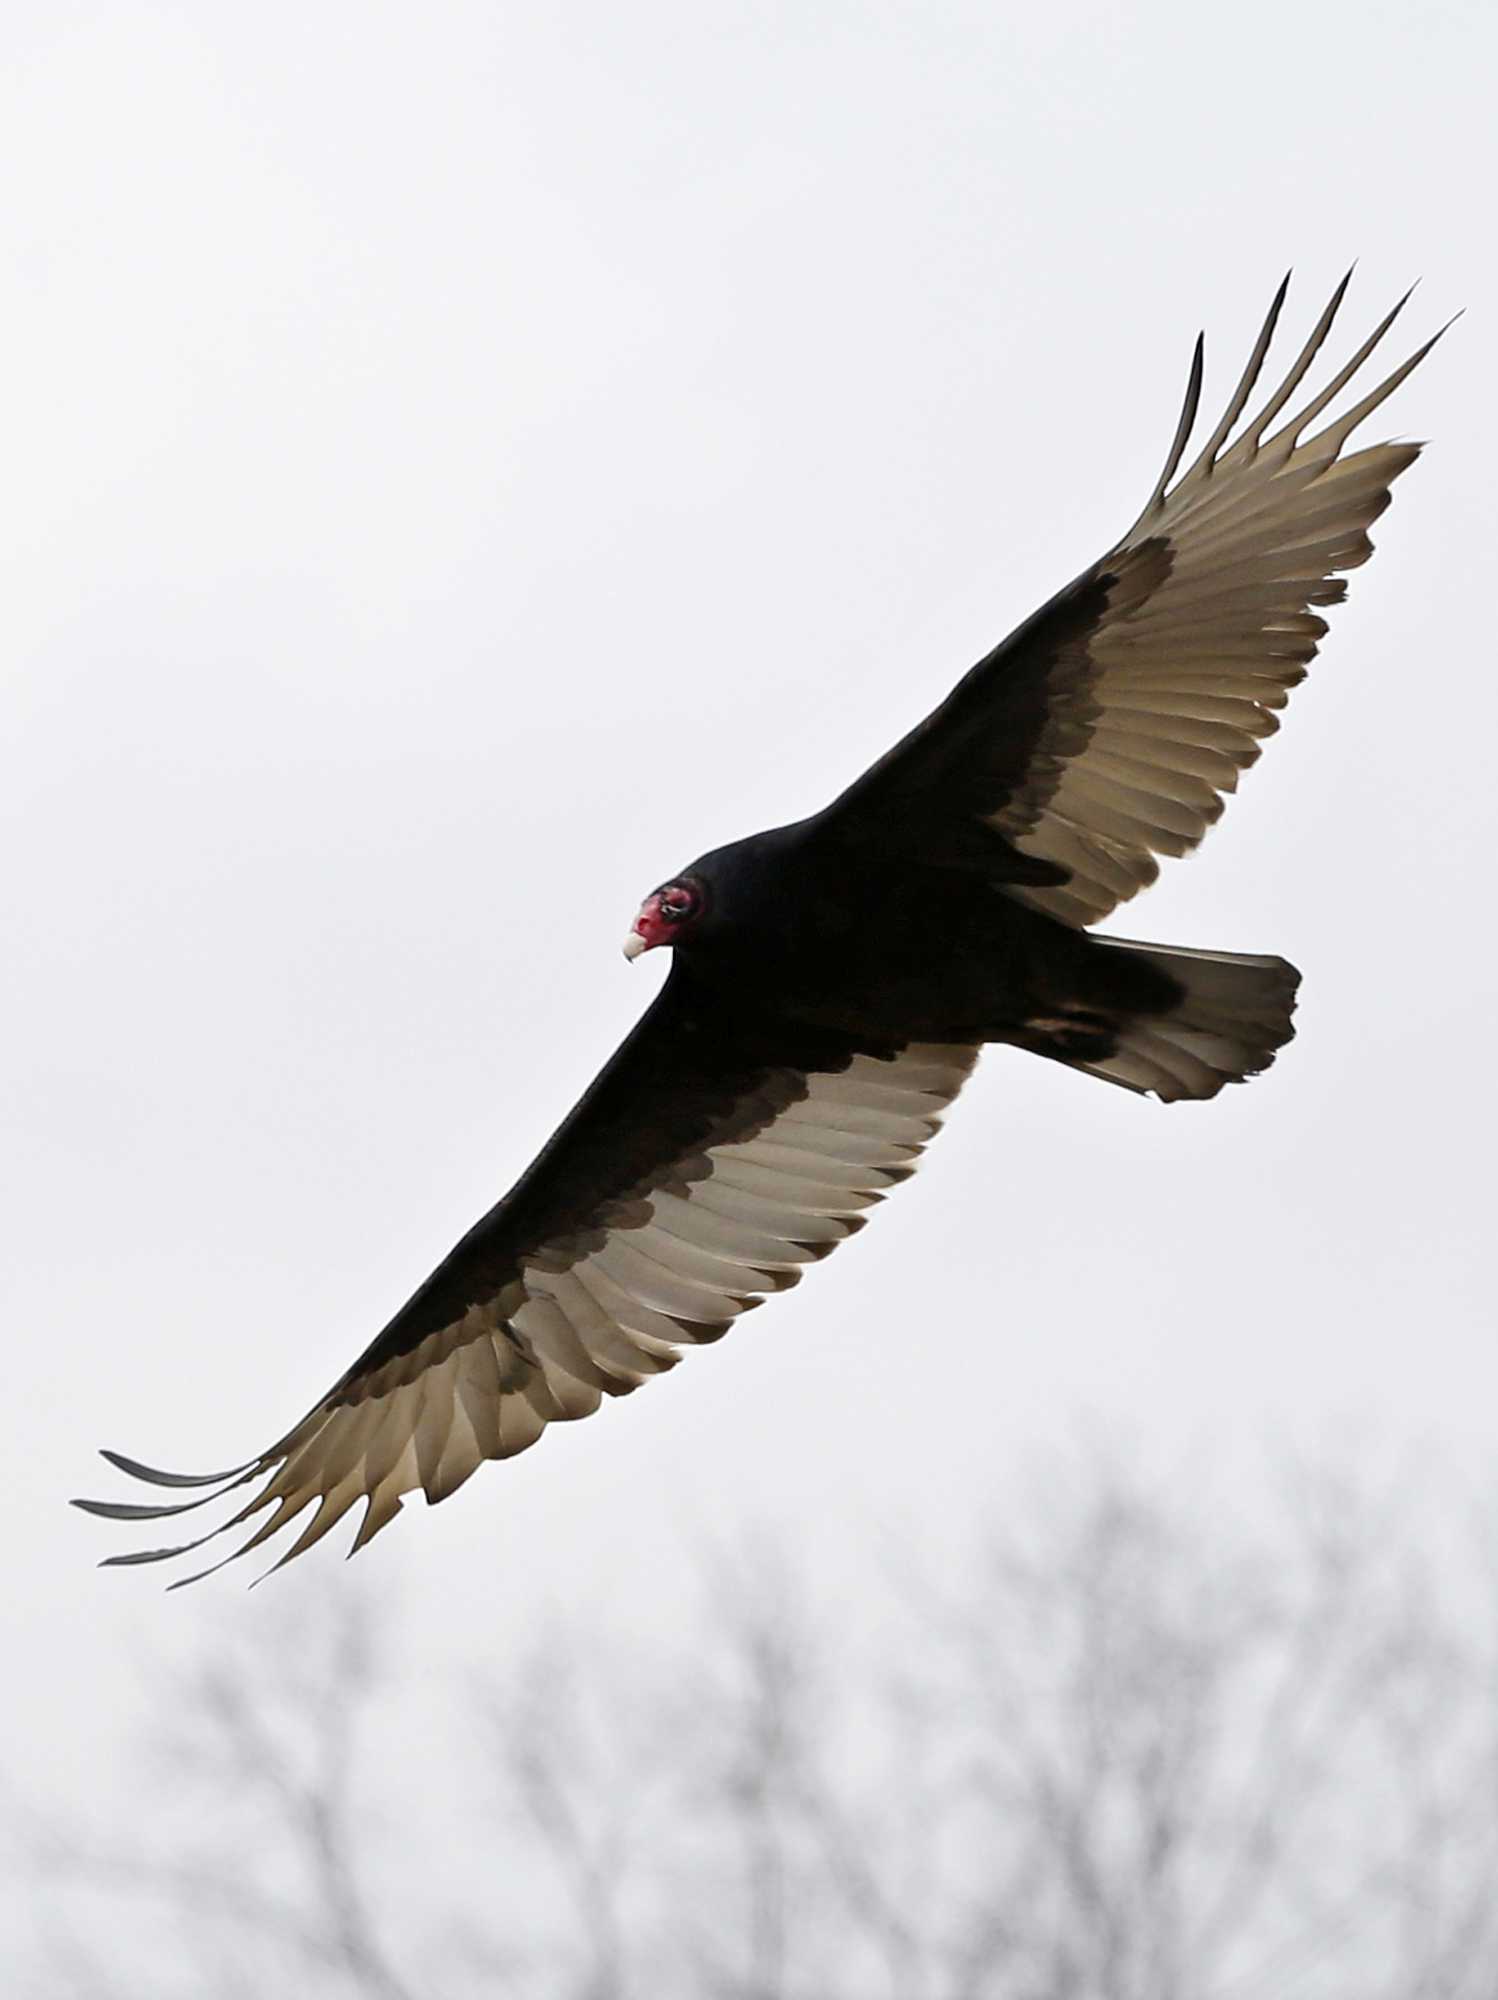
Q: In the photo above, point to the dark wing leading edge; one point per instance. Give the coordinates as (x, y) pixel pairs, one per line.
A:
(711, 1160)
(1107, 728)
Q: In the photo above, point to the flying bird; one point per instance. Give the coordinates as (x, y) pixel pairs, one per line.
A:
(833, 981)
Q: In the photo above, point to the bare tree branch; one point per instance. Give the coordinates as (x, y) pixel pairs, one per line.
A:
(1123, 1749)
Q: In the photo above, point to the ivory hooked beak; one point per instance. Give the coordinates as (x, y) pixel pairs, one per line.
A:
(634, 944)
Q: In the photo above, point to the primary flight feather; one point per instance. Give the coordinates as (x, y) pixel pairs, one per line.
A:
(833, 981)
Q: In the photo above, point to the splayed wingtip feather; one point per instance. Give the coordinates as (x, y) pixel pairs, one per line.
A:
(154, 1476)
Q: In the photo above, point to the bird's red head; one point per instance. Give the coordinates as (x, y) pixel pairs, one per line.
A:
(666, 915)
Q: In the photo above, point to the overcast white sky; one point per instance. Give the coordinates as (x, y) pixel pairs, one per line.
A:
(461, 462)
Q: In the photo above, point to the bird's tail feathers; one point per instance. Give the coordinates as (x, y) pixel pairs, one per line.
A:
(1232, 1015)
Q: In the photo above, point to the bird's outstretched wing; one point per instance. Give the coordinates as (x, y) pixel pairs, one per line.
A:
(712, 1159)
(1106, 730)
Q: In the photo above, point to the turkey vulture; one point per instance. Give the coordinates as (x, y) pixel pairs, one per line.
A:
(832, 981)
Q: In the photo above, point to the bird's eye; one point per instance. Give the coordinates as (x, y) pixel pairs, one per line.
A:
(675, 902)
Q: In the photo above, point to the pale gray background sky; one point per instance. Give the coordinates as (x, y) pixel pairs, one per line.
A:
(463, 461)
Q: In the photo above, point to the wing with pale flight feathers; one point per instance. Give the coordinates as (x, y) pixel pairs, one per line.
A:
(1108, 728)
(711, 1162)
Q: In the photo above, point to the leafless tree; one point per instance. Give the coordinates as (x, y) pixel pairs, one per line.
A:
(247, 1841)
(1128, 1747)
